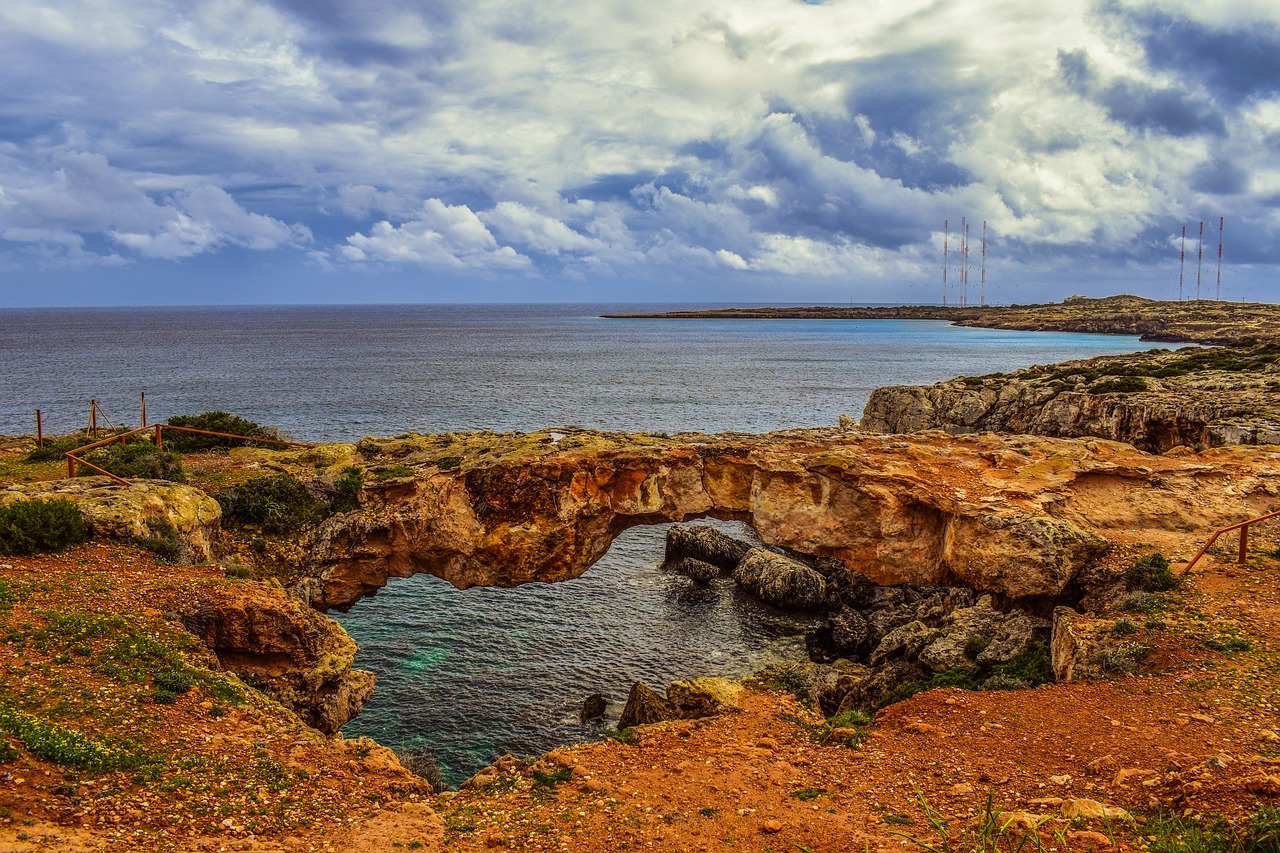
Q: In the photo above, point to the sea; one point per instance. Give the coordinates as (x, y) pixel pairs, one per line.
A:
(467, 676)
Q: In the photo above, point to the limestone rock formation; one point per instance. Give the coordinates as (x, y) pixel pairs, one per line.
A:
(135, 512)
(300, 656)
(1015, 516)
(694, 569)
(1155, 400)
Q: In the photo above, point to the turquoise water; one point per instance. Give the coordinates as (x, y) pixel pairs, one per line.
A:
(478, 673)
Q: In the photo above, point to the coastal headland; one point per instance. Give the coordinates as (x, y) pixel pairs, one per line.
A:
(173, 682)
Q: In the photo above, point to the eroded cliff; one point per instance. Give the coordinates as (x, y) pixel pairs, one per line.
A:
(1154, 400)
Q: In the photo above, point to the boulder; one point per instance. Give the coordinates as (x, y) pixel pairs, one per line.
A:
(1090, 647)
(593, 708)
(705, 544)
(703, 697)
(905, 641)
(138, 511)
(780, 581)
(981, 634)
(645, 706)
(695, 569)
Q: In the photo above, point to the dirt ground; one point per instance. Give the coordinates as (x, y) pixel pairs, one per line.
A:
(1196, 737)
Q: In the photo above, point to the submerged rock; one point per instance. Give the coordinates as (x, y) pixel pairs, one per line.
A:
(781, 581)
(695, 569)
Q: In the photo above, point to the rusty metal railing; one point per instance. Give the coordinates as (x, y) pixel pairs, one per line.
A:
(1243, 527)
(73, 459)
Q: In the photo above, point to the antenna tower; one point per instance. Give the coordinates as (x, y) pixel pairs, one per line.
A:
(1182, 261)
(982, 286)
(1222, 221)
(945, 235)
(1199, 259)
(964, 262)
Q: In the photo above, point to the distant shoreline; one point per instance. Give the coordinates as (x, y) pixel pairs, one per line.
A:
(1200, 321)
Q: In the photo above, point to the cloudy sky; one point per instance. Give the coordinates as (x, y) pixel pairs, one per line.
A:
(229, 151)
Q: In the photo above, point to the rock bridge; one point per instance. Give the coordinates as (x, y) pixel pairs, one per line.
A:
(1018, 516)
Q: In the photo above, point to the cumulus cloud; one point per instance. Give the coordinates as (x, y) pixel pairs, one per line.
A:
(442, 235)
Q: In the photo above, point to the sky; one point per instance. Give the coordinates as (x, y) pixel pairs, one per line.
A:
(309, 151)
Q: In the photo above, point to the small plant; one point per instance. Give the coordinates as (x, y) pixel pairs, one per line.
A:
(56, 446)
(804, 795)
(174, 681)
(217, 421)
(163, 540)
(421, 762)
(348, 488)
(448, 463)
(143, 460)
(628, 736)
(41, 527)
(1151, 573)
(707, 811)
(549, 781)
(1123, 659)
(1123, 628)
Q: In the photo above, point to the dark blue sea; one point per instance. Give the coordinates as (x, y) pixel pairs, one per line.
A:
(474, 674)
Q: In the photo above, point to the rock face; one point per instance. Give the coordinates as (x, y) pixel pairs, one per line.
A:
(706, 545)
(270, 639)
(1018, 517)
(135, 512)
(1154, 401)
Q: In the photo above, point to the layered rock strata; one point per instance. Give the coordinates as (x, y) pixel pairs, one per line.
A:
(1155, 400)
(1019, 517)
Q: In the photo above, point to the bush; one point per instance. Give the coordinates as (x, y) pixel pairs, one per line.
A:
(277, 504)
(1151, 573)
(213, 422)
(1119, 385)
(143, 460)
(348, 488)
(174, 681)
(421, 762)
(39, 527)
(163, 540)
(56, 446)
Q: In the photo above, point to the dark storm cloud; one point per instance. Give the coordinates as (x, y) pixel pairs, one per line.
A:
(1140, 105)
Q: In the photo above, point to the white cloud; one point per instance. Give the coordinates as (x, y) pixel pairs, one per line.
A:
(442, 235)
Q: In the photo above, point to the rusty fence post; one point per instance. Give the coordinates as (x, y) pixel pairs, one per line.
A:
(159, 440)
(71, 467)
(39, 430)
(1244, 543)
(93, 418)
(144, 409)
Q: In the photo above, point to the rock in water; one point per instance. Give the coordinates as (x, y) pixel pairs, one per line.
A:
(593, 707)
(645, 706)
(695, 569)
(703, 697)
(706, 544)
(780, 581)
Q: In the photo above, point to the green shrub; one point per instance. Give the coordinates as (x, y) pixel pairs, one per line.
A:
(65, 747)
(1123, 628)
(214, 422)
(143, 460)
(277, 504)
(348, 489)
(164, 540)
(1151, 573)
(164, 697)
(1119, 385)
(40, 527)
(55, 446)
(174, 681)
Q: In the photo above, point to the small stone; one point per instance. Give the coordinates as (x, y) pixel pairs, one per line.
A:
(1060, 780)
(1126, 774)
(1092, 810)
(961, 789)
(767, 743)
(920, 728)
(1203, 718)
(772, 826)
(1089, 839)
(1268, 736)
(1267, 786)
(1098, 765)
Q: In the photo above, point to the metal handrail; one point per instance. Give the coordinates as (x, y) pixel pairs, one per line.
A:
(1243, 527)
(72, 458)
